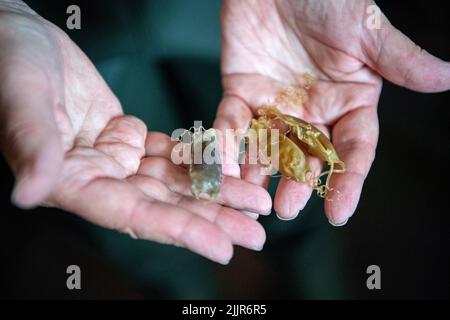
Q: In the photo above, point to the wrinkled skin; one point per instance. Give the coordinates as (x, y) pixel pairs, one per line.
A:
(65, 136)
(268, 45)
(69, 144)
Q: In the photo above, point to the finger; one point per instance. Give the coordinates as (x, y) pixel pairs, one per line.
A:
(355, 138)
(121, 206)
(234, 193)
(29, 134)
(252, 173)
(400, 60)
(159, 144)
(244, 94)
(242, 230)
(291, 196)
(235, 112)
(232, 114)
(250, 214)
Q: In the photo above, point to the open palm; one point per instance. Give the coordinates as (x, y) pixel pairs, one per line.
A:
(70, 146)
(269, 45)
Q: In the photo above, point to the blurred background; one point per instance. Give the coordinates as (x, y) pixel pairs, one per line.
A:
(161, 58)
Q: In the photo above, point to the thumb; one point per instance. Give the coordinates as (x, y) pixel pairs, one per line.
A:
(30, 139)
(399, 60)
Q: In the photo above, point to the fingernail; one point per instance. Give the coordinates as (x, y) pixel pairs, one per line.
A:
(258, 247)
(290, 218)
(338, 224)
(250, 214)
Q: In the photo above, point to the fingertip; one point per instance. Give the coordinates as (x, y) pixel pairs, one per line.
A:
(431, 77)
(258, 237)
(242, 228)
(284, 217)
(340, 224)
(251, 215)
(442, 81)
(267, 208)
(338, 213)
(208, 240)
(224, 256)
(260, 201)
(291, 198)
(245, 232)
(343, 199)
(224, 262)
(265, 203)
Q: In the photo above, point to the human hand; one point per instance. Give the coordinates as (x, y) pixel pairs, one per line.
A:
(65, 136)
(269, 45)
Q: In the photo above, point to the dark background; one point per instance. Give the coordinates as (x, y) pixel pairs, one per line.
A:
(402, 223)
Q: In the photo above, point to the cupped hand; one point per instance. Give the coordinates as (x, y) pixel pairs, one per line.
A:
(270, 45)
(65, 136)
